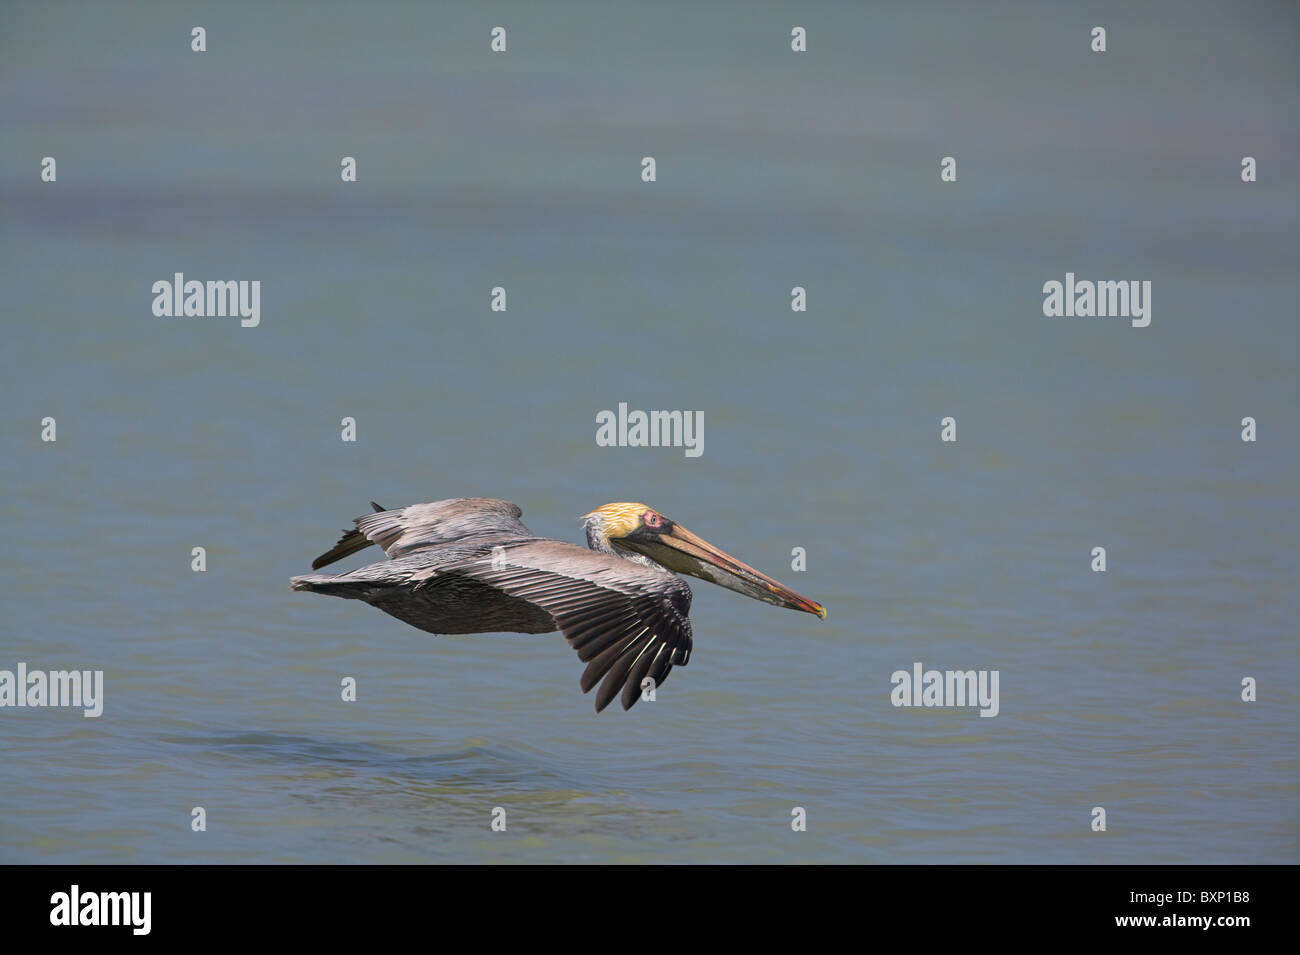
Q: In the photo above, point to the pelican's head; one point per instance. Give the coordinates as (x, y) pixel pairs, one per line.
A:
(642, 530)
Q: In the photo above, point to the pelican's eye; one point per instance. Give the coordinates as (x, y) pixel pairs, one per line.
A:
(652, 520)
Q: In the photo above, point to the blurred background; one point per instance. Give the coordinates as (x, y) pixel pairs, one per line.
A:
(775, 169)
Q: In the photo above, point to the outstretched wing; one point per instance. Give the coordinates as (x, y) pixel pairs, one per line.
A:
(407, 529)
(627, 621)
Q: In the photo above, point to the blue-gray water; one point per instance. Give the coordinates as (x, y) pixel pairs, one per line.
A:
(1119, 690)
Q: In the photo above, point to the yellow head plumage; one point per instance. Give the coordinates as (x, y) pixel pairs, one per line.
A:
(618, 520)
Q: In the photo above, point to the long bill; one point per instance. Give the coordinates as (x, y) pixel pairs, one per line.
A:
(683, 552)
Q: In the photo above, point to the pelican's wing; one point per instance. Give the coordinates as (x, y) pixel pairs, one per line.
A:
(407, 529)
(626, 621)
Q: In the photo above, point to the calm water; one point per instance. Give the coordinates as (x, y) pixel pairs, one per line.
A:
(1118, 690)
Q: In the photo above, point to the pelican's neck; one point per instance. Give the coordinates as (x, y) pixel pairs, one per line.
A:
(598, 540)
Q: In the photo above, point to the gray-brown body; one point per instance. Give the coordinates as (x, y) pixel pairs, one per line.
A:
(468, 565)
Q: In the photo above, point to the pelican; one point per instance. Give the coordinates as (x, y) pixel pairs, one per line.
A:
(468, 565)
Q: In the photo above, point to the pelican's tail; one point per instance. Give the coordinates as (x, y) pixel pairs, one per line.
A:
(334, 586)
(351, 542)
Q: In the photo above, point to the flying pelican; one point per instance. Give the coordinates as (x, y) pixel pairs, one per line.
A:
(468, 565)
